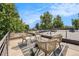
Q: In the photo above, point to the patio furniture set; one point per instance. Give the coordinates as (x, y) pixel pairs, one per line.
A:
(51, 47)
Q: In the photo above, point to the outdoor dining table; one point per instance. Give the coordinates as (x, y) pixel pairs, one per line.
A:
(57, 37)
(46, 36)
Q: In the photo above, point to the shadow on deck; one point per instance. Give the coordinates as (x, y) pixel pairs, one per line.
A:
(30, 50)
(27, 49)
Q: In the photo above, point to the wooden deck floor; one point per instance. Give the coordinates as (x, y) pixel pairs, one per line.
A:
(15, 50)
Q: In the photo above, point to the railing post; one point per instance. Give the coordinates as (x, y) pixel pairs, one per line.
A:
(66, 34)
(7, 45)
(7, 39)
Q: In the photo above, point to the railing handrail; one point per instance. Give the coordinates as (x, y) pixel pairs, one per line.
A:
(4, 44)
(1, 42)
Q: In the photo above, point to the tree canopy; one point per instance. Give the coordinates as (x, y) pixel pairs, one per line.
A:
(9, 19)
(46, 19)
(37, 26)
(57, 22)
(75, 23)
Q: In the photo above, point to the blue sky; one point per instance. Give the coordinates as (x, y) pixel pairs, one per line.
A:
(30, 12)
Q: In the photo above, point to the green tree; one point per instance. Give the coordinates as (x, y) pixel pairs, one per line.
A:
(46, 20)
(27, 27)
(9, 19)
(37, 26)
(68, 27)
(57, 22)
(75, 23)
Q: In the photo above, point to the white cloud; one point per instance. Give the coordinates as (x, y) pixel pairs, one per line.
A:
(32, 19)
(64, 9)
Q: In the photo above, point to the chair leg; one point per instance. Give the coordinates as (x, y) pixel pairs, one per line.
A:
(59, 46)
(32, 54)
(31, 40)
(22, 41)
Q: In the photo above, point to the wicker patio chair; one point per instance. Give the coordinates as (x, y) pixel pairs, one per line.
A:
(58, 38)
(47, 47)
(24, 38)
(37, 36)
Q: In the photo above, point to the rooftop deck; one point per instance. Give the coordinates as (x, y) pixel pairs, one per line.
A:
(16, 50)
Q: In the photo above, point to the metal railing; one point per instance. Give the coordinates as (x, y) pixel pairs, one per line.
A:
(4, 45)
